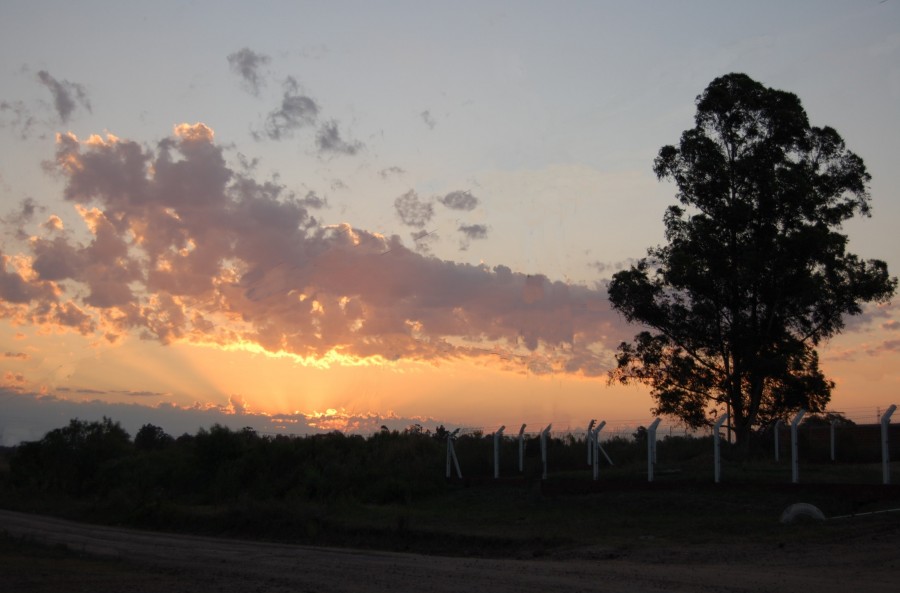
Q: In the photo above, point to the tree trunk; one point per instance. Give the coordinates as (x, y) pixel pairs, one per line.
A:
(742, 434)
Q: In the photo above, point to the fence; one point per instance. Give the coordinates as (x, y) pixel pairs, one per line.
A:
(781, 450)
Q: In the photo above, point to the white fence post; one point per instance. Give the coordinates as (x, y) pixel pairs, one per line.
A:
(522, 449)
(595, 444)
(451, 454)
(651, 448)
(544, 435)
(590, 443)
(885, 445)
(795, 463)
(778, 424)
(716, 459)
(498, 436)
(833, 423)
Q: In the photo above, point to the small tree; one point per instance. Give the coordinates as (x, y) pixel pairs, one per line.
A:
(76, 459)
(755, 273)
(152, 438)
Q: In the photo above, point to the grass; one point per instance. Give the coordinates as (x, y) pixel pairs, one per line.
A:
(522, 518)
(519, 517)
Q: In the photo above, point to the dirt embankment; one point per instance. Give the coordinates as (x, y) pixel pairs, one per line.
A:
(145, 562)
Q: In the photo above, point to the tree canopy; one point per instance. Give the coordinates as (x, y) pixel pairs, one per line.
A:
(756, 273)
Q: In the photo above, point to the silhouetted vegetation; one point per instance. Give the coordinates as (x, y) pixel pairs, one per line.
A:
(389, 489)
(755, 274)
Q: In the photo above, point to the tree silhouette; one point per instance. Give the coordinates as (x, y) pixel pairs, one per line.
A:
(152, 438)
(78, 459)
(755, 273)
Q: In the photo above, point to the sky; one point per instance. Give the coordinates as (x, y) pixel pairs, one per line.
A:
(307, 216)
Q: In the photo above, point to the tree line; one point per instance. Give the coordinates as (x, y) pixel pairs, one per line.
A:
(99, 462)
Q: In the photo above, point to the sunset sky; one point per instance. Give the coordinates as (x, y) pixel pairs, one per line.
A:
(301, 216)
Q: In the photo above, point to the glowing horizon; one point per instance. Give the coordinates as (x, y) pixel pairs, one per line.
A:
(316, 219)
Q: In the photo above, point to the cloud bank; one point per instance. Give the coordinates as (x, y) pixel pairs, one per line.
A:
(37, 414)
(183, 247)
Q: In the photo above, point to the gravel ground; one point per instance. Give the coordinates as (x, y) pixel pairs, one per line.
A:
(101, 559)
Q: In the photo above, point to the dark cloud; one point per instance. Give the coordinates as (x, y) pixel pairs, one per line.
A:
(390, 172)
(19, 355)
(27, 208)
(328, 140)
(459, 200)
(413, 211)
(871, 314)
(236, 405)
(15, 289)
(312, 200)
(607, 268)
(423, 240)
(472, 232)
(81, 391)
(66, 95)
(883, 347)
(889, 346)
(34, 300)
(57, 259)
(296, 111)
(72, 316)
(12, 380)
(247, 64)
(21, 216)
(428, 119)
(18, 117)
(130, 393)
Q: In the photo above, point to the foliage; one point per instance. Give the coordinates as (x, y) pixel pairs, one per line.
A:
(219, 465)
(78, 459)
(826, 419)
(388, 490)
(152, 438)
(246, 475)
(755, 274)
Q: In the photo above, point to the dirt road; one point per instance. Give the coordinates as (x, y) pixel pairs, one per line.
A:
(145, 562)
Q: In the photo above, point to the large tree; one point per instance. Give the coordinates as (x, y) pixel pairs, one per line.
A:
(755, 274)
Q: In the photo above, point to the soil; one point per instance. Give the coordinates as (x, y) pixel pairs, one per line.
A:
(48, 554)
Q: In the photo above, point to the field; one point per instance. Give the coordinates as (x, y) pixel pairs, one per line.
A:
(346, 513)
(509, 536)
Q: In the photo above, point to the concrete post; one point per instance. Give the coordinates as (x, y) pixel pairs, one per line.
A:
(498, 437)
(590, 444)
(716, 459)
(885, 448)
(833, 423)
(795, 462)
(545, 434)
(595, 444)
(451, 454)
(651, 448)
(778, 425)
(522, 449)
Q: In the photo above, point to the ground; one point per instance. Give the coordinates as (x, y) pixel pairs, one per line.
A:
(48, 554)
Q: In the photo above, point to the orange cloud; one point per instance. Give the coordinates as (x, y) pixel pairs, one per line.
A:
(182, 248)
(197, 132)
